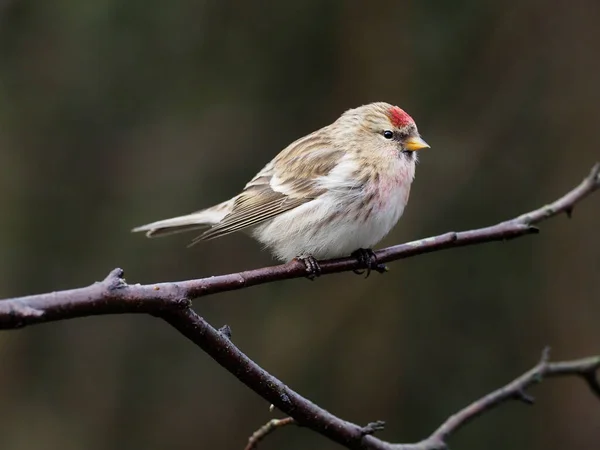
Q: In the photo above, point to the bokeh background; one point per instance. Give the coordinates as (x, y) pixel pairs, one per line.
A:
(116, 113)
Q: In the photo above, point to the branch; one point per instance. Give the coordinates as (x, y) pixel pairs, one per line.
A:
(585, 368)
(110, 296)
(171, 302)
(122, 298)
(267, 429)
(515, 390)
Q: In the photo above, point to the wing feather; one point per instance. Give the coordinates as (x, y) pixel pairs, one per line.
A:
(239, 220)
(287, 182)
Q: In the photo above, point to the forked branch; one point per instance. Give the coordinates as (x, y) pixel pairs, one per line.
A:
(172, 302)
(585, 368)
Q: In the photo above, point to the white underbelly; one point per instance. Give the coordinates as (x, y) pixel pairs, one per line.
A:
(333, 226)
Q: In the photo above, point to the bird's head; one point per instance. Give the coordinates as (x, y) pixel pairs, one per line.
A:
(383, 126)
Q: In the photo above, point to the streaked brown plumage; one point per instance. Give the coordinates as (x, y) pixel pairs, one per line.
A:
(327, 194)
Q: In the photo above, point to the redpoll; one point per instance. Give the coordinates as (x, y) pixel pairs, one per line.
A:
(336, 192)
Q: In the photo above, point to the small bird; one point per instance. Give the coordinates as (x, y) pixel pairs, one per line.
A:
(335, 192)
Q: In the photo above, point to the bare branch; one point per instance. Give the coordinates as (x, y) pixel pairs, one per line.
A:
(515, 390)
(110, 296)
(171, 302)
(104, 298)
(267, 429)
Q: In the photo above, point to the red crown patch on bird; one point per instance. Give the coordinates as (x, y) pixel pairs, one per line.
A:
(399, 117)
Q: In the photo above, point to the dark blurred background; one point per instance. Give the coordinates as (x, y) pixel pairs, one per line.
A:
(116, 113)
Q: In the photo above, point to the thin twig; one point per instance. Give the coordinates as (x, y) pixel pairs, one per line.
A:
(171, 302)
(515, 390)
(267, 429)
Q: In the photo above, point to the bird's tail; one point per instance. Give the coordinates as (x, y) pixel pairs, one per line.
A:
(194, 221)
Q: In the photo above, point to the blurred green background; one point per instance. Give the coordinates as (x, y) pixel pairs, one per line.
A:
(117, 113)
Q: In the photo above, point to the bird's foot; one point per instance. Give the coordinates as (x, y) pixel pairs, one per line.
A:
(367, 258)
(313, 269)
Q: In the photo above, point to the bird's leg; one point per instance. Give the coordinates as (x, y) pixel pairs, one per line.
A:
(313, 269)
(367, 258)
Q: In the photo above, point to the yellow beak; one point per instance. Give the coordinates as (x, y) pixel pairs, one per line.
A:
(415, 143)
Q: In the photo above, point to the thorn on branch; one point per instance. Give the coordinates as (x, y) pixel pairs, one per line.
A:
(592, 381)
(114, 280)
(545, 356)
(372, 427)
(594, 175)
(523, 396)
(569, 212)
(225, 330)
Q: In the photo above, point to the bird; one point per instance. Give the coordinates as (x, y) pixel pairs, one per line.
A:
(333, 193)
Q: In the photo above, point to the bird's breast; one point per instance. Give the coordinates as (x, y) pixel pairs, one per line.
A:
(391, 182)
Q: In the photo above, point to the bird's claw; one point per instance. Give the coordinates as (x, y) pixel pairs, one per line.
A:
(313, 269)
(367, 258)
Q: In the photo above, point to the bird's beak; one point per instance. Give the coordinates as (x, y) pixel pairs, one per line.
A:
(415, 143)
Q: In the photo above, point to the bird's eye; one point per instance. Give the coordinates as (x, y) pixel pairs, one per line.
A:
(388, 134)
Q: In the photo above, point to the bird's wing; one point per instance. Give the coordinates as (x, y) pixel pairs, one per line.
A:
(287, 182)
